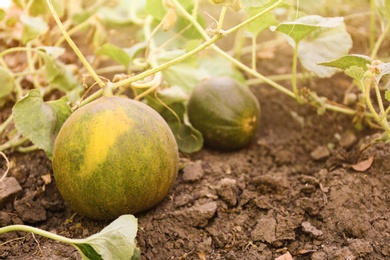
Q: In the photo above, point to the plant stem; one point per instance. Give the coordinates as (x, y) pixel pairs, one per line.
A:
(221, 18)
(74, 46)
(372, 24)
(294, 71)
(36, 231)
(4, 125)
(380, 40)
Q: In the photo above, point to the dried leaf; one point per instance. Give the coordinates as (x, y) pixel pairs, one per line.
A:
(46, 178)
(363, 165)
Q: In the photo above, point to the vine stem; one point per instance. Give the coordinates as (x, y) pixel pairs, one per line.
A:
(380, 40)
(76, 50)
(37, 231)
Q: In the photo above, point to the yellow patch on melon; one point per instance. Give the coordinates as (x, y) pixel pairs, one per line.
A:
(102, 136)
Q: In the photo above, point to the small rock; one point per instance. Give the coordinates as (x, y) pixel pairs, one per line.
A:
(198, 215)
(308, 228)
(182, 200)
(5, 219)
(319, 256)
(193, 171)
(228, 191)
(347, 140)
(320, 153)
(360, 247)
(9, 189)
(30, 211)
(265, 230)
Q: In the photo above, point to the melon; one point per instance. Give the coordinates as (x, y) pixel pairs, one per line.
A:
(114, 156)
(225, 111)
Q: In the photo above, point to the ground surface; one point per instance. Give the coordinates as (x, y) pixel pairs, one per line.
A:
(292, 190)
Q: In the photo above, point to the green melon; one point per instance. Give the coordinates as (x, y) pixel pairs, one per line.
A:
(225, 112)
(114, 156)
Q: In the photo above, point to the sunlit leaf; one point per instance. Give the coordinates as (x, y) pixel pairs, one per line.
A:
(115, 53)
(7, 82)
(303, 26)
(116, 241)
(32, 27)
(40, 121)
(347, 61)
(52, 51)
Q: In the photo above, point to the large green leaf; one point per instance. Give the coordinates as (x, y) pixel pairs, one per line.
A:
(114, 242)
(323, 45)
(40, 121)
(347, 61)
(303, 26)
(7, 82)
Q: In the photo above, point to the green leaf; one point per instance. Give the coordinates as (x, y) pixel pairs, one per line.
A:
(261, 23)
(323, 45)
(115, 53)
(40, 121)
(347, 61)
(157, 9)
(58, 74)
(116, 241)
(355, 72)
(248, 4)
(189, 139)
(303, 26)
(7, 82)
(387, 95)
(39, 7)
(32, 27)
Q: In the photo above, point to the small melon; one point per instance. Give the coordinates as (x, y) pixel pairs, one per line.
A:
(225, 111)
(114, 156)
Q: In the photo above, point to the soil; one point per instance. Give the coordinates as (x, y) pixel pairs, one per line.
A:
(293, 190)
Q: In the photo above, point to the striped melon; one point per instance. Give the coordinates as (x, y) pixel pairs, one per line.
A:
(114, 156)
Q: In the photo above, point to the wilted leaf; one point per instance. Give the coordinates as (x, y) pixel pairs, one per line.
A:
(121, 14)
(7, 82)
(40, 121)
(385, 70)
(363, 165)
